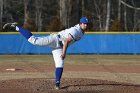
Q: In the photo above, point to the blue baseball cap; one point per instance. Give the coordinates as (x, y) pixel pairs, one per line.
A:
(84, 20)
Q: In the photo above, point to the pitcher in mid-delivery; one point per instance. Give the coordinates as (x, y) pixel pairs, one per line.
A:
(59, 42)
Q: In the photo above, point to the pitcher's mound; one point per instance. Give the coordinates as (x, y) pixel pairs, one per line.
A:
(67, 86)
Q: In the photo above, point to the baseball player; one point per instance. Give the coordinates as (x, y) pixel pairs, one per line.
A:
(59, 42)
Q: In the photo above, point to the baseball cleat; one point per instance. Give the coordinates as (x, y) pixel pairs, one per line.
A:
(57, 85)
(10, 26)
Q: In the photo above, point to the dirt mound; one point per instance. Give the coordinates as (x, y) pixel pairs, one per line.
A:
(67, 86)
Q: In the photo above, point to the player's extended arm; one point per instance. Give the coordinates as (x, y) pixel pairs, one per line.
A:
(65, 46)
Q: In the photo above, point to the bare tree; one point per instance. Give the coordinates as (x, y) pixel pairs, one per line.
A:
(108, 15)
(119, 10)
(39, 4)
(98, 12)
(26, 12)
(103, 14)
(83, 7)
(1, 13)
(125, 18)
(65, 12)
(136, 18)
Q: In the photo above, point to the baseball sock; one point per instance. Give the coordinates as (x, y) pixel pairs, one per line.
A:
(27, 34)
(58, 74)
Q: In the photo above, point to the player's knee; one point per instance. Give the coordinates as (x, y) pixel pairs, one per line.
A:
(59, 64)
(33, 40)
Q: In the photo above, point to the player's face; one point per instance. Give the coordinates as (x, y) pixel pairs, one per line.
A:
(83, 26)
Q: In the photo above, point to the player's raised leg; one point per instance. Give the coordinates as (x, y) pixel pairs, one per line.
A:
(27, 34)
(39, 41)
(14, 26)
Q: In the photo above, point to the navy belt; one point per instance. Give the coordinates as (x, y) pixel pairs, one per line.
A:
(58, 36)
(60, 42)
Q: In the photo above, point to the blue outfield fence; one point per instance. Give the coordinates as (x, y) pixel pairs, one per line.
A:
(91, 43)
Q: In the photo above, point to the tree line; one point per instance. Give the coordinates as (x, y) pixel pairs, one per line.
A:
(55, 15)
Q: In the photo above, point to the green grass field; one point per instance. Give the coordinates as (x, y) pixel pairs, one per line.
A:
(72, 59)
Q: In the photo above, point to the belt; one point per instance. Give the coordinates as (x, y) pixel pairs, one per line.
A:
(60, 42)
(59, 36)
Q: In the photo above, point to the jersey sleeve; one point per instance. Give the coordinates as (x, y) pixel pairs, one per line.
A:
(73, 34)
